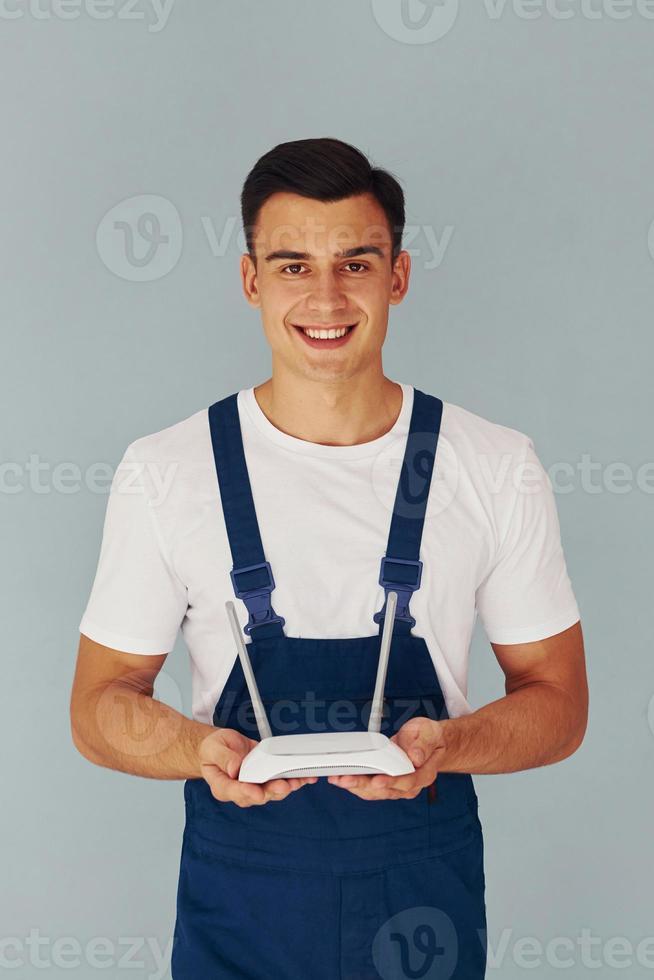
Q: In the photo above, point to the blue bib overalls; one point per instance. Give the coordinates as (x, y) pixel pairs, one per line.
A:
(323, 885)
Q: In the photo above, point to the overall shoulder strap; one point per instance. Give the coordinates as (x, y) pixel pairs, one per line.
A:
(401, 568)
(251, 574)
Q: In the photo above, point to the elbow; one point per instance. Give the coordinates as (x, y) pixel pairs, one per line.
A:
(77, 728)
(581, 722)
(573, 719)
(77, 739)
(575, 740)
(573, 745)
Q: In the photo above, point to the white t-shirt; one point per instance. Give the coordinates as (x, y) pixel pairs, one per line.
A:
(490, 545)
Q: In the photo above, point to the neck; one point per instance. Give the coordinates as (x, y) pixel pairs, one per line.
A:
(339, 413)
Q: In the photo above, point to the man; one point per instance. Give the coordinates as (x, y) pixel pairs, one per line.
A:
(319, 473)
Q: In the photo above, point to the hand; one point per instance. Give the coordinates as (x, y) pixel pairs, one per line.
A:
(423, 741)
(221, 754)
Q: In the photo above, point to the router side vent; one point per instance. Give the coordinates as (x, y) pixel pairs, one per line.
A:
(321, 770)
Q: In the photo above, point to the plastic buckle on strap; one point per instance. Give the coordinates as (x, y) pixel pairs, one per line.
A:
(257, 600)
(403, 588)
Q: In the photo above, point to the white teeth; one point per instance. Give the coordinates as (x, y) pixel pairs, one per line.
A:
(325, 334)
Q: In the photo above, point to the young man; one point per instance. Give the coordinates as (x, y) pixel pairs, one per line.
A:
(348, 485)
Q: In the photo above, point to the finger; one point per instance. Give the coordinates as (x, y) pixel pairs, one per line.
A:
(297, 781)
(226, 789)
(418, 737)
(378, 785)
(229, 789)
(227, 752)
(384, 793)
(406, 784)
(235, 740)
(279, 789)
(364, 793)
(374, 781)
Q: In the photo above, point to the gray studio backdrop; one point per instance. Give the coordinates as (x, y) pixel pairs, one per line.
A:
(522, 135)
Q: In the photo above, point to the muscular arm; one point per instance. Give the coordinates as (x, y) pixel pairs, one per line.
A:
(540, 720)
(117, 723)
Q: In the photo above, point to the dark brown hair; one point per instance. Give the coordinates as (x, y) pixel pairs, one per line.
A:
(324, 169)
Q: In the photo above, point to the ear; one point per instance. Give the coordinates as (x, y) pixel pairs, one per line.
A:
(400, 278)
(249, 280)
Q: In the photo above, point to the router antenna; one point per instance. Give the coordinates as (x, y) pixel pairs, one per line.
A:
(377, 707)
(255, 697)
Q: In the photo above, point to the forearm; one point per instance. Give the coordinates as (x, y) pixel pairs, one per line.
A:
(125, 729)
(532, 726)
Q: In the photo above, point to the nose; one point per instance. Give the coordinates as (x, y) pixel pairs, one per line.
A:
(326, 295)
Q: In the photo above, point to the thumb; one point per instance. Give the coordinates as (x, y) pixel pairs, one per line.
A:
(226, 750)
(416, 738)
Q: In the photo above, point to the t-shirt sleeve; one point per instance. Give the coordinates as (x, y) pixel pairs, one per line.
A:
(527, 595)
(137, 602)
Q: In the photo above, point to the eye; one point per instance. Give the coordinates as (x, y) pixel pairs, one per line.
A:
(295, 267)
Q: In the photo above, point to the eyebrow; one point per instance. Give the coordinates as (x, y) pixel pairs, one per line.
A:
(348, 253)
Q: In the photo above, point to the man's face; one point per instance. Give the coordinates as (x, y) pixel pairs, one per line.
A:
(324, 265)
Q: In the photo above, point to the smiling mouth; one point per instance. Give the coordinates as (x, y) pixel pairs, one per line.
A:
(326, 333)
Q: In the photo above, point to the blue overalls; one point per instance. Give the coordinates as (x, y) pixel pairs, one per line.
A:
(323, 885)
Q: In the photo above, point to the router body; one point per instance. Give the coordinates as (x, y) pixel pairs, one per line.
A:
(327, 753)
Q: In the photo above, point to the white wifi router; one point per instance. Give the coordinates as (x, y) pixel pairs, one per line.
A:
(324, 753)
